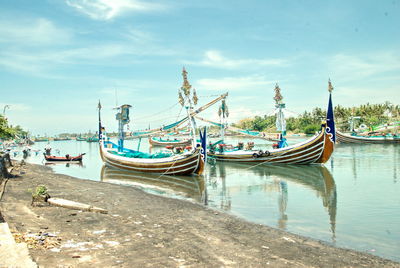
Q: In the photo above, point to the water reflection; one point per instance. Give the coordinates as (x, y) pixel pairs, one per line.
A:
(369, 154)
(290, 197)
(275, 179)
(66, 164)
(192, 187)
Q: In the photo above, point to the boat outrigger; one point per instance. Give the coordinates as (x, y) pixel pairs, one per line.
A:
(316, 150)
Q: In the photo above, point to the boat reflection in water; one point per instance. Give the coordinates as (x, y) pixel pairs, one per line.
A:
(274, 179)
(190, 187)
(62, 163)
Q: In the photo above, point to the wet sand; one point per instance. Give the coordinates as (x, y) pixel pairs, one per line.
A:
(144, 230)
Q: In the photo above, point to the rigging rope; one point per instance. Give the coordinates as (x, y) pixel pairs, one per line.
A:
(155, 114)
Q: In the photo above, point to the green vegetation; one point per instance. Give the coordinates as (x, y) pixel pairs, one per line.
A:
(310, 122)
(9, 132)
(40, 191)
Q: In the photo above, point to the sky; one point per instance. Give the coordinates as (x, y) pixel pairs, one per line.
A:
(58, 58)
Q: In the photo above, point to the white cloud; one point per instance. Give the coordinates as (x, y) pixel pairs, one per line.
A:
(139, 36)
(363, 78)
(233, 83)
(358, 94)
(214, 58)
(109, 9)
(13, 107)
(236, 113)
(43, 62)
(29, 32)
(352, 67)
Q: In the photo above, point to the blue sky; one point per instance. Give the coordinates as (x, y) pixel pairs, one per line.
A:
(58, 58)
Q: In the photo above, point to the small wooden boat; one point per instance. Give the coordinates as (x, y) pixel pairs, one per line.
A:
(371, 139)
(61, 139)
(66, 158)
(190, 162)
(92, 139)
(316, 150)
(117, 156)
(158, 141)
(40, 139)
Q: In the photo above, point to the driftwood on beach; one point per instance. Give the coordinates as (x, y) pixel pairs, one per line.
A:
(74, 205)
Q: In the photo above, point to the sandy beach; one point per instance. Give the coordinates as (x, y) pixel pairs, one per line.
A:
(144, 230)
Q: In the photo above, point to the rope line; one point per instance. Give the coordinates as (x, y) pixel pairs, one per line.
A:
(155, 114)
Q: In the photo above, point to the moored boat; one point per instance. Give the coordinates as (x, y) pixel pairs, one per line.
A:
(316, 150)
(368, 139)
(159, 141)
(66, 158)
(92, 139)
(190, 161)
(40, 139)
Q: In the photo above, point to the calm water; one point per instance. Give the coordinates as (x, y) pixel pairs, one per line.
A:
(353, 201)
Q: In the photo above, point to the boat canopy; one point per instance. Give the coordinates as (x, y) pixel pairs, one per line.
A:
(135, 154)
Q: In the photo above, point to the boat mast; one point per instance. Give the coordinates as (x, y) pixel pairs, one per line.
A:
(100, 132)
(280, 117)
(223, 114)
(123, 118)
(187, 98)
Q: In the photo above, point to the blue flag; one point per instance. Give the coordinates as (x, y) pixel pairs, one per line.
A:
(330, 121)
(203, 142)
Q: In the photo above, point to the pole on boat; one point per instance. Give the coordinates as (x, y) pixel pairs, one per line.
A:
(330, 117)
(223, 114)
(280, 116)
(123, 118)
(187, 97)
(99, 107)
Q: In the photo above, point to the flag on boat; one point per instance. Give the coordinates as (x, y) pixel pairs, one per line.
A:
(203, 142)
(330, 120)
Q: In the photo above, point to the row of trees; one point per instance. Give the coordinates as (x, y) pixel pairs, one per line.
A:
(9, 132)
(310, 122)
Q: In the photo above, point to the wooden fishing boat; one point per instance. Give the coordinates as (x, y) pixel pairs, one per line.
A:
(66, 158)
(190, 161)
(92, 139)
(61, 139)
(192, 187)
(316, 150)
(158, 141)
(371, 139)
(186, 163)
(40, 139)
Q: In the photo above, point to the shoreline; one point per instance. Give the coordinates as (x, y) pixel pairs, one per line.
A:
(142, 229)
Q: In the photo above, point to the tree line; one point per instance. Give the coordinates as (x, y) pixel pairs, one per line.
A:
(310, 122)
(307, 122)
(8, 131)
